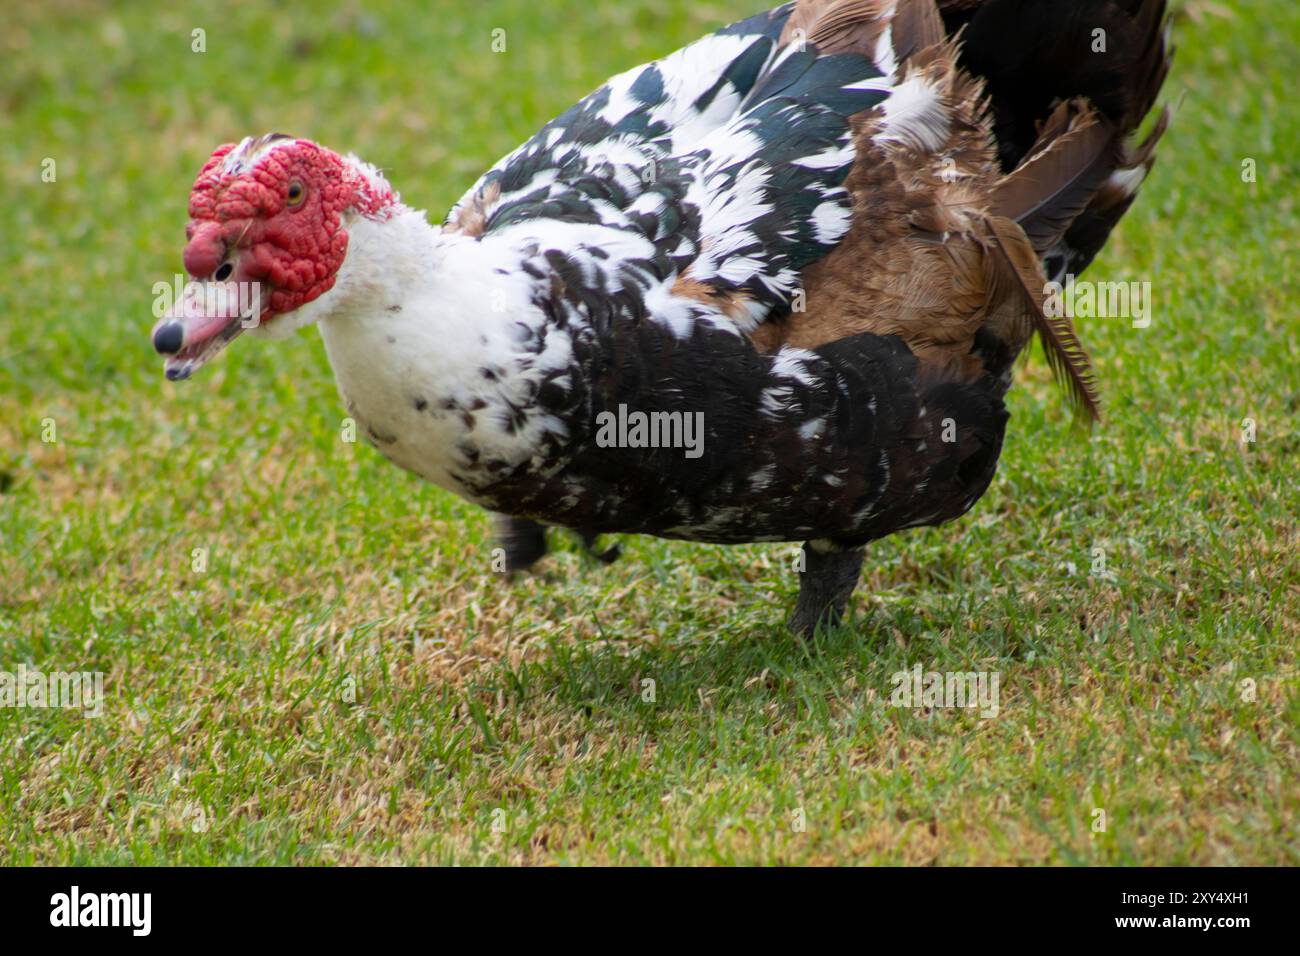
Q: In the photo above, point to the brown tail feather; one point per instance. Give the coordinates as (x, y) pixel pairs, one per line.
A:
(1060, 175)
(1065, 353)
(1034, 55)
(1088, 233)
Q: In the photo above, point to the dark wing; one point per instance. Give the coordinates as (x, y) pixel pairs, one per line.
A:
(695, 188)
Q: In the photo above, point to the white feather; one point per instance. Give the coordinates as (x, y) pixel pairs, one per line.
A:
(914, 116)
(831, 222)
(1128, 180)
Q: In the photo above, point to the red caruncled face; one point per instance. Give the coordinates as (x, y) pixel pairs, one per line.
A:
(265, 215)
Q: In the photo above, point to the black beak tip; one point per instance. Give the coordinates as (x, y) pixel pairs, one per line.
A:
(168, 339)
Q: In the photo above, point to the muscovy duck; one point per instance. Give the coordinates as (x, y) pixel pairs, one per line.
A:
(767, 288)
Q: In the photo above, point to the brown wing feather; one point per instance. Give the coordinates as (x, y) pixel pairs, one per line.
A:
(943, 247)
(839, 26)
(916, 27)
(911, 264)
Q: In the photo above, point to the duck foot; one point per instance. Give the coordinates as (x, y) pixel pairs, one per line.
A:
(825, 585)
(608, 556)
(523, 541)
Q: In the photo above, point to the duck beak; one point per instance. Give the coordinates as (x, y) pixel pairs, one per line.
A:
(208, 317)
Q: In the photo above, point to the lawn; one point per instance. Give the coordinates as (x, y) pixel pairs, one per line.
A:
(308, 658)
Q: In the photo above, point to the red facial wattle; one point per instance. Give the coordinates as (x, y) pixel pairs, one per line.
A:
(272, 220)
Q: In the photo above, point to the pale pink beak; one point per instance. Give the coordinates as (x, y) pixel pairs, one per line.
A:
(208, 317)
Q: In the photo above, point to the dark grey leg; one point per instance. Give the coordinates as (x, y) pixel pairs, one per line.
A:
(608, 556)
(523, 541)
(825, 585)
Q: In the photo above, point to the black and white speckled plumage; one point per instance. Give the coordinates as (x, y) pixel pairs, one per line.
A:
(621, 258)
(729, 157)
(842, 443)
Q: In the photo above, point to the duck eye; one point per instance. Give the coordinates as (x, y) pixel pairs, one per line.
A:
(296, 192)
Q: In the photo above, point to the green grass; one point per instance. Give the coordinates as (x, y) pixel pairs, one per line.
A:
(482, 701)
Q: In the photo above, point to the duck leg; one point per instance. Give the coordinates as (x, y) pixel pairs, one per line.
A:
(589, 540)
(523, 541)
(826, 582)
